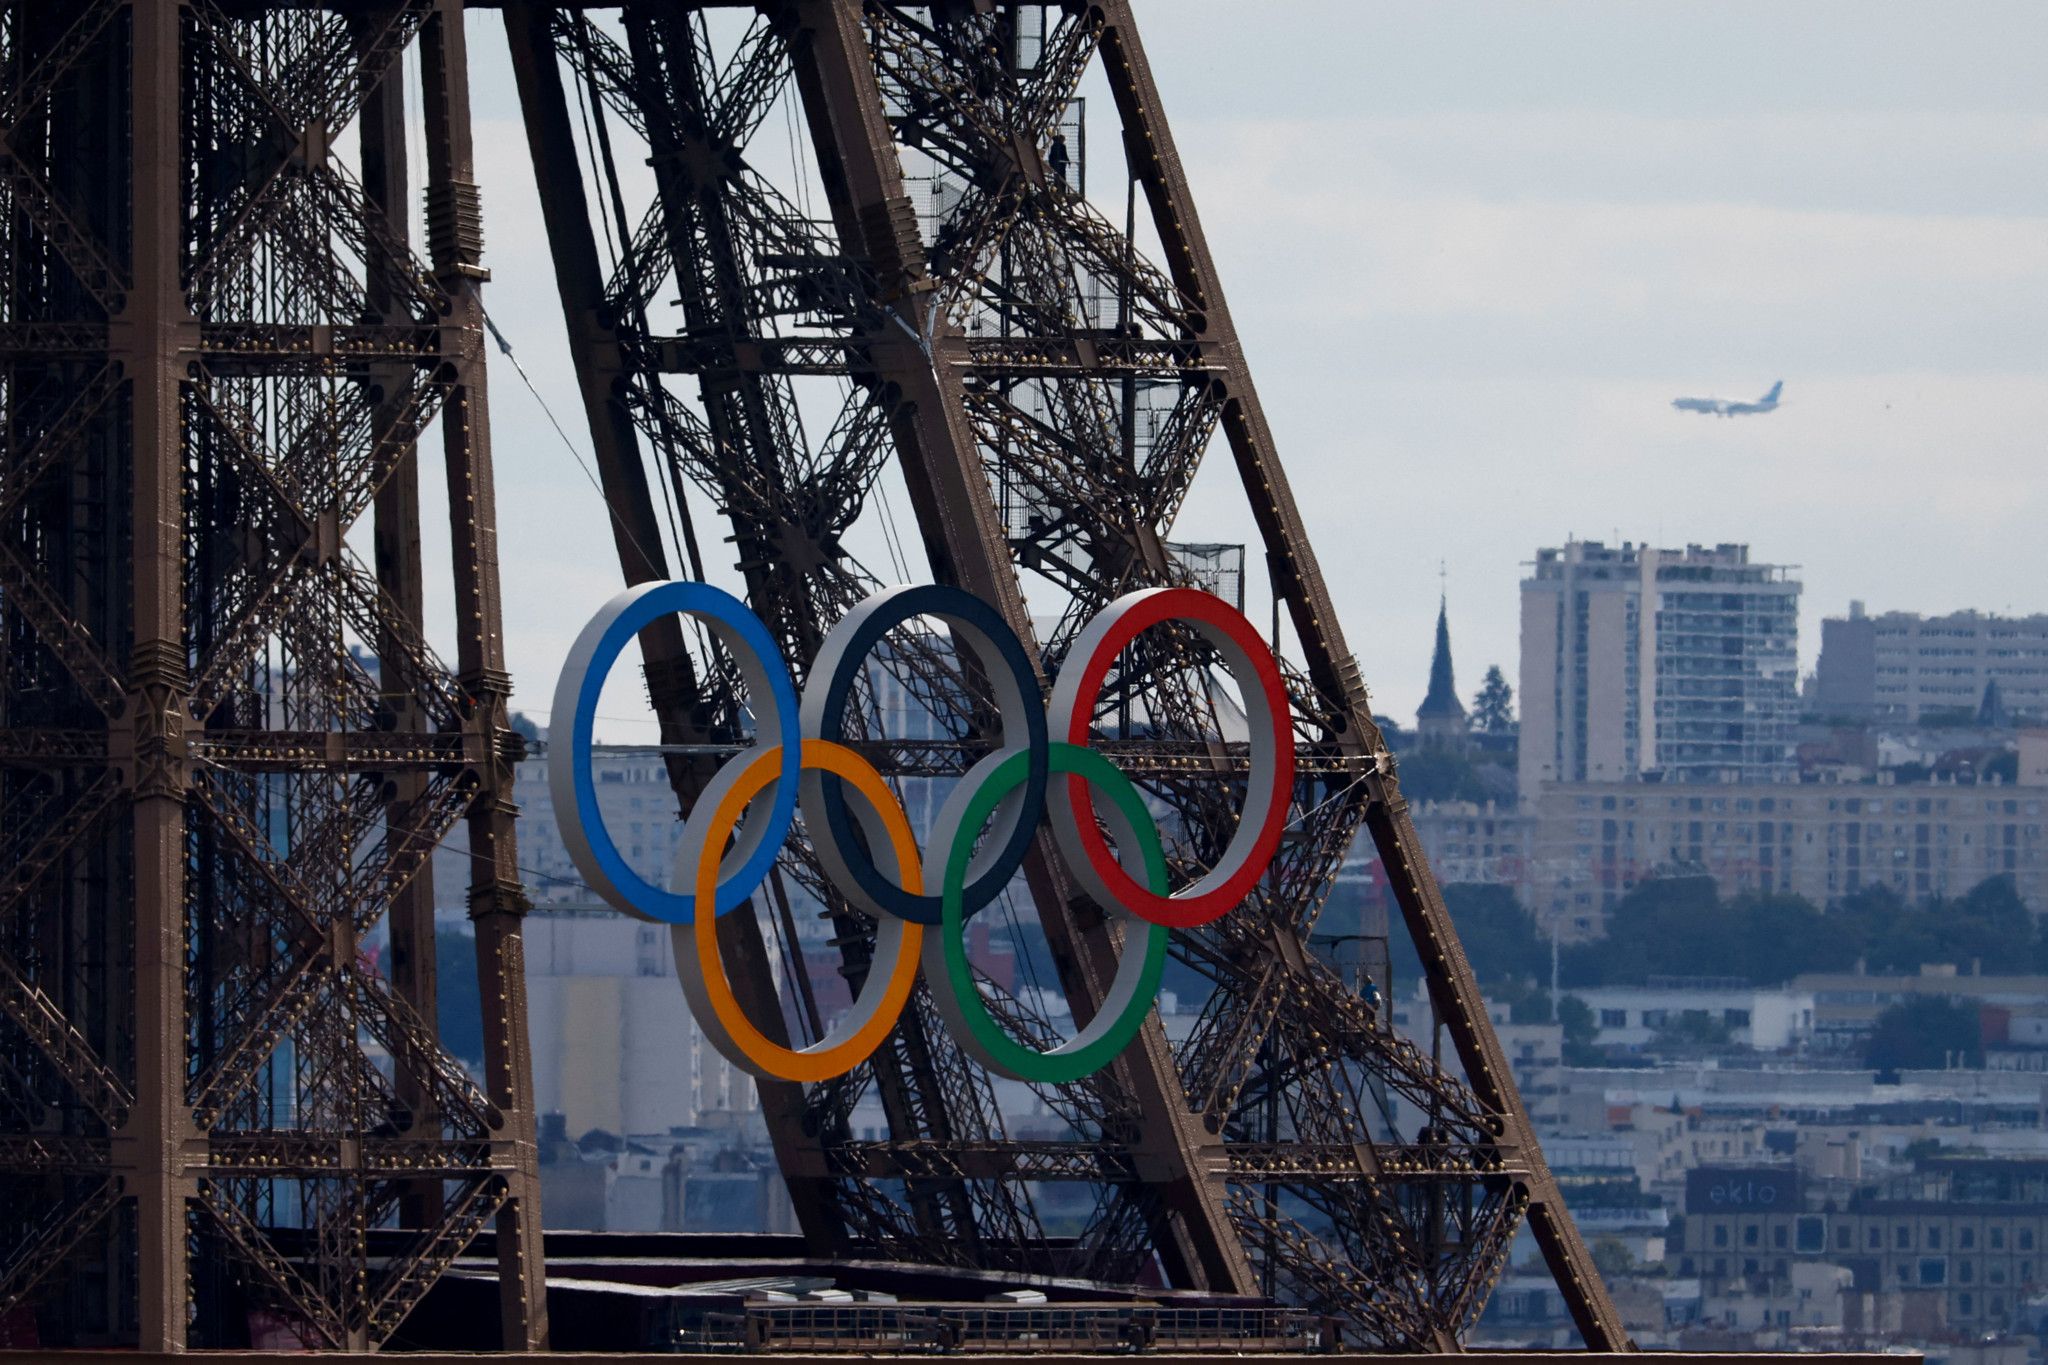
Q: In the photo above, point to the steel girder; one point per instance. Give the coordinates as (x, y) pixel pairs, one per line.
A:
(1048, 382)
(227, 749)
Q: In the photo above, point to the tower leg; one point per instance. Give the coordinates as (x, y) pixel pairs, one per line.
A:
(497, 898)
(150, 338)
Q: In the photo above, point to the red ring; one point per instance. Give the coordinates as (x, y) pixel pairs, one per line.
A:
(1183, 912)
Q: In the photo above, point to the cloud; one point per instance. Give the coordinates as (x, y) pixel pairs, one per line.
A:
(1914, 491)
(1427, 268)
(1467, 325)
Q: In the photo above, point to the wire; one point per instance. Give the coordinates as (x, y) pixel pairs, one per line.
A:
(505, 347)
(897, 559)
(590, 150)
(1327, 801)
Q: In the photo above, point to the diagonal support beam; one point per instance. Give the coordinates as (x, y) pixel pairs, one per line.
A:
(964, 542)
(1298, 578)
(63, 1046)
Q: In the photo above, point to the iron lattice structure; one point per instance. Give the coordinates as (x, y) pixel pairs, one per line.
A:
(1047, 381)
(228, 749)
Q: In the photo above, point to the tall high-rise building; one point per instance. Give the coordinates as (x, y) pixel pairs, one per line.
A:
(1657, 665)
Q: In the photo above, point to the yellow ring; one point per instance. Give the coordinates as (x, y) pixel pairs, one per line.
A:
(826, 1058)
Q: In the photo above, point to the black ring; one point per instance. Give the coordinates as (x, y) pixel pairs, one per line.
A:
(993, 642)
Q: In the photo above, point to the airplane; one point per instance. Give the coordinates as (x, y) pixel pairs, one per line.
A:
(1722, 407)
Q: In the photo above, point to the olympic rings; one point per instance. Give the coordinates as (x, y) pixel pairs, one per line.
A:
(569, 775)
(863, 837)
(709, 991)
(1008, 668)
(1131, 991)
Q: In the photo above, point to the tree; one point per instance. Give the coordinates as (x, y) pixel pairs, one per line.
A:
(1988, 929)
(1500, 937)
(1692, 1029)
(1440, 775)
(1493, 705)
(1680, 926)
(1924, 1035)
(1579, 1031)
(1612, 1258)
(1988, 926)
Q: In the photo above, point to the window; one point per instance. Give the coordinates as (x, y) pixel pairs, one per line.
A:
(1965, 1305)
(1720, 1234)
(1735, 1018)
(1813, 1234)
(1998, 1239)
(1903, 1239)
(1613, 1018)
(1966, 1237)
(1934, 1239)
(1966, 1270)
(1875, 1239)
(1933, 1270)
(1749, 1235)
(2026, 1239)
(1780, 1238)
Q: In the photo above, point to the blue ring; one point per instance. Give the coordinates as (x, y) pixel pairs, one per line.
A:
(958, 607)
(722, 608)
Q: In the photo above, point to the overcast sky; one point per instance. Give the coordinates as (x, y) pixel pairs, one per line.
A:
(1475, 249)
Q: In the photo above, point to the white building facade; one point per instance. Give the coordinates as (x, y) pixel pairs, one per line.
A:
(1642, 663)
(1902, 666)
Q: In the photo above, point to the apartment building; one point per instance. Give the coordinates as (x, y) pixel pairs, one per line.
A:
(1590, 843)
(1472, 841)
(1644, 663)
(1972, 1230)
(1903, 666)
(1768, 1019)
(614, 1043)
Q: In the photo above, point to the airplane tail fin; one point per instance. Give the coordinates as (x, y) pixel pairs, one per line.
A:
(1772, 396)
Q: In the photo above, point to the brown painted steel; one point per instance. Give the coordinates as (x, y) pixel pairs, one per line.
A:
(637, 534)
(203, 399)
(151, 340)
(212, 1094)
(1272, 1094)
(1454, 991)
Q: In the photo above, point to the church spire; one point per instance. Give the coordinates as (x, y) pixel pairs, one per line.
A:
(1443, 688)
(1441, 717)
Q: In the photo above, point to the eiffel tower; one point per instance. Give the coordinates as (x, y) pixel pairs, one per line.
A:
(227, 747)
(896, 200)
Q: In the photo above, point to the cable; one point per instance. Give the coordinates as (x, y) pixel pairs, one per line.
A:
(505, 347)
(1327, 801)
(897, 559)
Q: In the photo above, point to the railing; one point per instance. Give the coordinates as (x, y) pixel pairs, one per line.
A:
(898, 1329)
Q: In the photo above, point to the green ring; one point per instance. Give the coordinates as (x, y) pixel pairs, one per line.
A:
(984, 1038)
